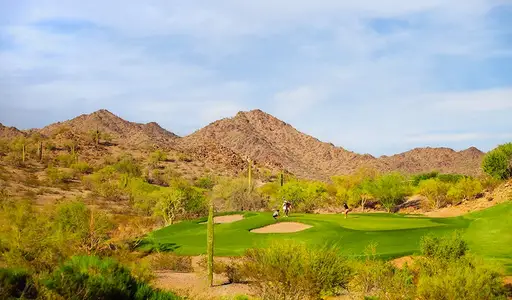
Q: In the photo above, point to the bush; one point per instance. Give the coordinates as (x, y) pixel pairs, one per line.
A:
(65, 160)
(157, 156)
(446, 247)
(289, 270)
(390, 190)
(464, 278)
(56, 175)
(82, 167)
(16, 284)
(234, 273)
(128, 165)
(90, 277)
(416, 179)
(464, 189)
(173, 262)
(435, 191)
(497, 163)
(205, 182)
(219, 267)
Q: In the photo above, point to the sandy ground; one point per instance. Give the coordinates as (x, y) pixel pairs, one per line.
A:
(226, 219)
(400, 262)
(283, 227)
(194, 285)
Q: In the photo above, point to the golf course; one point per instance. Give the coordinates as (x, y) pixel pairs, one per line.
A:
(488, 233)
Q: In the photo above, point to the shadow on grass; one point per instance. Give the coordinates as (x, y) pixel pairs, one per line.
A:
(150, 246)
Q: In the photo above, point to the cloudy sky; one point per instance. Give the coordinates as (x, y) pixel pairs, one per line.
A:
(373, 76)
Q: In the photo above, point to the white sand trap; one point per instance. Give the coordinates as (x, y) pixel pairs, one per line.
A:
(283, 227)
(226, 219)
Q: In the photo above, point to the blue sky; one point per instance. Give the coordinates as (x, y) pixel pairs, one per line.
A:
(377, 77)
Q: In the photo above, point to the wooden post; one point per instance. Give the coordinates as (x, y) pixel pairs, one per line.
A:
(210, 244)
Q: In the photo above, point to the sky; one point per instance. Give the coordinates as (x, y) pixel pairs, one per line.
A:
(378, 77)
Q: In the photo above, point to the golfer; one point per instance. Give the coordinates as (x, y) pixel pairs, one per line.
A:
(276, 214)
(345, 206)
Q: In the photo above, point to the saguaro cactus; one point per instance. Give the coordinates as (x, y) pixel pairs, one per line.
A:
(250, 174)
(210, 245)
(23, 152)
(282, 178)
(40, 151)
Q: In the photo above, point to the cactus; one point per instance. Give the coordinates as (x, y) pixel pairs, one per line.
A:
(210, 245)
(97, 136)
(40, 151)
(250, 175)
(23, 153)
(282, 177)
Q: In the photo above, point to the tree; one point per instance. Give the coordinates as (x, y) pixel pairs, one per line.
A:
(389, 189)
(498, 162)
(170, 205)
(435, 191)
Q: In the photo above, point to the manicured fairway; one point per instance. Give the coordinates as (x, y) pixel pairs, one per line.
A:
(488, 232)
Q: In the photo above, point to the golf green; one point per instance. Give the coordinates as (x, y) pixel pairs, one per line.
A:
(488, 232)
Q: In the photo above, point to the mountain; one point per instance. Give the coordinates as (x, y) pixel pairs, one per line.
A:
(275, 144)
(269, 142)
(444, 160)
(9, 132)
(122, 131)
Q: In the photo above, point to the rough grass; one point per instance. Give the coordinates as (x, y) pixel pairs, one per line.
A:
(488, 232)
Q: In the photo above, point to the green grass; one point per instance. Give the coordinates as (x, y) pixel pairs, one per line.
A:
(488, 232)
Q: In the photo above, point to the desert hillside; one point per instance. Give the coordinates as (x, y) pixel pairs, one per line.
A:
(271, 143)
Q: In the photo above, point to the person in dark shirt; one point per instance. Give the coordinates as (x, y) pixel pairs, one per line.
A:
(345, 206)
(276, 214)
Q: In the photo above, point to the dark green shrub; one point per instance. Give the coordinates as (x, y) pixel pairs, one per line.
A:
(65, 160)
(497, 163)
(290, 270)
(56, 175)
(90, 277)
(16, 284)
(82, 167)
(128, 165)
(206, 183)
(446, 247)
(416, 179)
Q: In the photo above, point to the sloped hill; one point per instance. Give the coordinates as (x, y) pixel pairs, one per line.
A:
(273, 143)
(9, 132)
(444, 160)
(122, 131)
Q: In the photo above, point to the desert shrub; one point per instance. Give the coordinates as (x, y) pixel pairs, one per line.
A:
(14, 159)
(56, 175)
(171, 261)
(82, 167)
(127, 165)
(450, 178)
(498, 162)
(90, 277)
(435, 191)
(219, 267)
(28, 237)
(157, 156)
(234, 273)
(85, 231)
(463, 278)
(105, 183)
(184, 157)
(446, 247)
(380, 279)
(205, 182)
(65, 160)
(289, 270)
(304, 195)
(237, 196)
(465, 189)
(16, 284)
(389, 189)
(416, 179)
(50, 146)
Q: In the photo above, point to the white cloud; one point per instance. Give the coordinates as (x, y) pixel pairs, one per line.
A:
(474, 101)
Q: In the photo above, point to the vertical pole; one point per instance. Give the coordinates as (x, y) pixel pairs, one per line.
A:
(40, 151)
(23, 153)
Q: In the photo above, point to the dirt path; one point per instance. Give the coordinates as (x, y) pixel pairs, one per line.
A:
(283, 227)
(227, 219)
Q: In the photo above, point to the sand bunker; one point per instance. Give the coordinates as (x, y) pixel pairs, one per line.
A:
(226, 219)
(283, 227)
